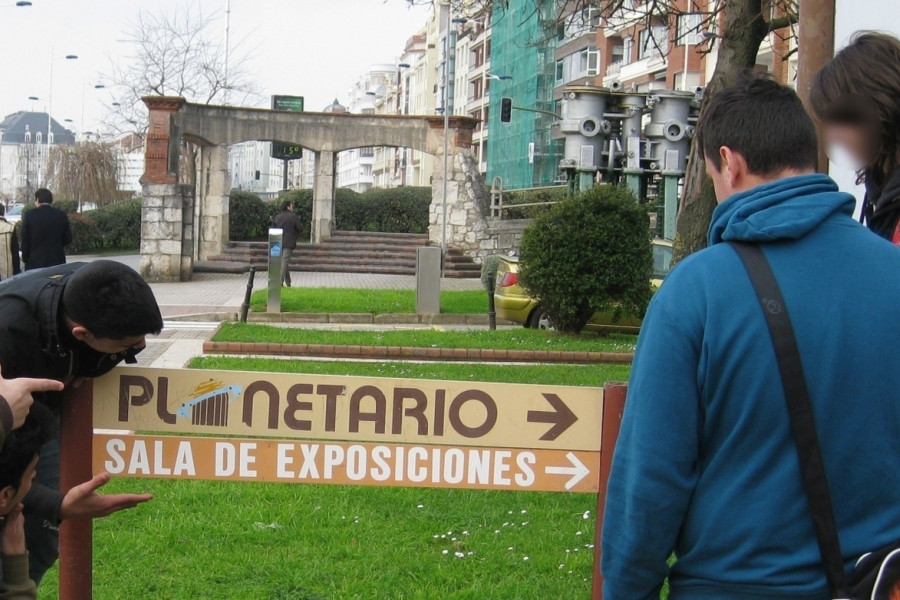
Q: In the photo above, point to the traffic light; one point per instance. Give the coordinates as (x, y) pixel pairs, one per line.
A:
(505, 110)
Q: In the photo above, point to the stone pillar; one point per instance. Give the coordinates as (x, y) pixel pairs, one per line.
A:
(323, 196)
(214, 186)
(166, 215)
(467, 204)
(166, 206)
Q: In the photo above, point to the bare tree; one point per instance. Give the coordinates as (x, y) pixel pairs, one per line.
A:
(86, 172)
(181, 53)
(738, 27)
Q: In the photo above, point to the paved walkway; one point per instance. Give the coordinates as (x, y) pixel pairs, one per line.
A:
(215, 292)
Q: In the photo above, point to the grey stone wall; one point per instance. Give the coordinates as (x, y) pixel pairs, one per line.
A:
(167, 238)
(468, 201)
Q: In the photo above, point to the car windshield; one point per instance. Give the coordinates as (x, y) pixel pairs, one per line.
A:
(662, 260)
(15, 211)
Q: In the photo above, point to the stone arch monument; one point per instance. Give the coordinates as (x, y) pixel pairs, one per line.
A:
(181, 223)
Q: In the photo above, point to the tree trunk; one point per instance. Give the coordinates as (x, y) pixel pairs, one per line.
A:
(743, 32)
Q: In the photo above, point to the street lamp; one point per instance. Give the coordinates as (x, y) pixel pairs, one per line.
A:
(50, 98)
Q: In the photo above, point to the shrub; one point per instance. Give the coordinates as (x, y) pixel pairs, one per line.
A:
(249, 217)
(68, 206)
(391, 210)
(115, 226)
(514, 197)
(589, 253)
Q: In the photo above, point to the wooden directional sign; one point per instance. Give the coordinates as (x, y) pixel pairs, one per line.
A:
(378, 410)
(396, 465)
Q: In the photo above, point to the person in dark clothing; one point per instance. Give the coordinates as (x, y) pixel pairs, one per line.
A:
(45, 233)
(856, 97)
(289, 223)
(68, 323)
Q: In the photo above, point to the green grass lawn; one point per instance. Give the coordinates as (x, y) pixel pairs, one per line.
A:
(583, 375)
(509, 339)
(249, 541)
(377, 302)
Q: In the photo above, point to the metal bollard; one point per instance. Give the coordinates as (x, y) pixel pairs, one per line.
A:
(245, 307)
(273, 300)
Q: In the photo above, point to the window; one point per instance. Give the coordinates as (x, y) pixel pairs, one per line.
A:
(38, 138)
(590, 62)
(617, 54)
(690, 29)
(560, 71)
(50, 137)
(653, 41)
(627, 50)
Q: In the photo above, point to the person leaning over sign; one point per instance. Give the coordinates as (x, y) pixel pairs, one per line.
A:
(68, 323)
(706, 467)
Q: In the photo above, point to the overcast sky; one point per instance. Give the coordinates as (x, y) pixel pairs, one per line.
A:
(311, 48)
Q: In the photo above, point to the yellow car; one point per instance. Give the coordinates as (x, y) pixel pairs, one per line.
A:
(513, 303)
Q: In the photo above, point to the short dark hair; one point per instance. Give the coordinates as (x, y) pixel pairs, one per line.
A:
(44, 196)
(112, 301)
(24, 443)
(286, 204)
(763, 121)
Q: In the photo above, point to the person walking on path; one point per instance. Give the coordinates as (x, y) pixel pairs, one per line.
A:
(706, 468)
(289, 223)
(9, 247)
(45, 233)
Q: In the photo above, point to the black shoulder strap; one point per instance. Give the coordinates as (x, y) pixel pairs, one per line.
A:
(799, 407)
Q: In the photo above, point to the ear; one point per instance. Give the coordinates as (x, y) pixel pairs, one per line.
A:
(6, 496)
(734, 167)
(80, 333)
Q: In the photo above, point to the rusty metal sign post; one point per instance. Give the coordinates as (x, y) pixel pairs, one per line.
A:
(294, 428)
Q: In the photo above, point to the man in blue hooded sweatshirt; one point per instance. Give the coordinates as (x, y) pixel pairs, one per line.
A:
(705, 469)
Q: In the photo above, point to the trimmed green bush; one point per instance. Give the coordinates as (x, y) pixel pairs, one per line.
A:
(391, 210)
(589, 253)
(514, 197)
(394, 210)
(115, 226)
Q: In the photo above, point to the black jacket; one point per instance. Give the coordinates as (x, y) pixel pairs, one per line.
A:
(882, 205)
(35, 342)
(290, 225)
(45, 234)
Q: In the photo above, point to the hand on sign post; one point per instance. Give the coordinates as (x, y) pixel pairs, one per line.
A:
(83, 501)
(17, 393)
(12, 542)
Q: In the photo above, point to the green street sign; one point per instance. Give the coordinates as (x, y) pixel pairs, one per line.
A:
(282, 150)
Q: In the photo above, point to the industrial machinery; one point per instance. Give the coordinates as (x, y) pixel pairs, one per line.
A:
(638, 139)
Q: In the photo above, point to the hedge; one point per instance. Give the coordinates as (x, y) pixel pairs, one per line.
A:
(115, 226)
(395, 210)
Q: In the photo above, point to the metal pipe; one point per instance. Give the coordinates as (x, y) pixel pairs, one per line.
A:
(245, 307)
(446, 166)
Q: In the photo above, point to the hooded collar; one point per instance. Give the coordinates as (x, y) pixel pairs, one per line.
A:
(786, 209)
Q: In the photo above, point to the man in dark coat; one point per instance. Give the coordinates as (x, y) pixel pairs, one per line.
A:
(68, 323)
(45, 233)
(289, 223)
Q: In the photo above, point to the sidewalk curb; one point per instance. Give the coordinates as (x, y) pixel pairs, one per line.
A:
(370, 319)
(416, 353)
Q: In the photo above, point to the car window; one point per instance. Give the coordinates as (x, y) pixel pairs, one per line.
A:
(662, 260)
(15, 211)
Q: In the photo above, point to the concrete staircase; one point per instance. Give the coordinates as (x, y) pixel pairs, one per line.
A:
(343, 252)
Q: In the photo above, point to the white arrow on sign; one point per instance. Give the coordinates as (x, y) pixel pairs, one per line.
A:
(578, 471)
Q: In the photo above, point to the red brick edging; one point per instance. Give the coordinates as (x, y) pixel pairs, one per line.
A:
(414, 353)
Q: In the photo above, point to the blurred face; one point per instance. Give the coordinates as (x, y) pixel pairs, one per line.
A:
(848, 146)
(10, 497)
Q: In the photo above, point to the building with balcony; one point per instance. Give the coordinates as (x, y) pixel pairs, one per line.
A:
(475, 78)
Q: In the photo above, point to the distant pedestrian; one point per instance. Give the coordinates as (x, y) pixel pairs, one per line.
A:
(9, 247)
(45, 233)
(289, 223)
